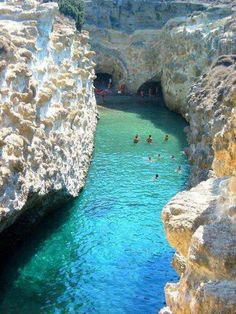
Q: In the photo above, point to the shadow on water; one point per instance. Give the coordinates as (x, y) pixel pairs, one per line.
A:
(85, 238)
(148, 108)
(18, 256)
(149, 275)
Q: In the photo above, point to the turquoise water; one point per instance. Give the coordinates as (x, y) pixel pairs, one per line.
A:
(106, 252)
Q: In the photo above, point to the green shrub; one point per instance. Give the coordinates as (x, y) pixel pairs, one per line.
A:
(74, 9)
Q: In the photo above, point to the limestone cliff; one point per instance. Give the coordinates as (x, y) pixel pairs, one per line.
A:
(172, 42)
(212, 116)
(201, 223)
(47, 106)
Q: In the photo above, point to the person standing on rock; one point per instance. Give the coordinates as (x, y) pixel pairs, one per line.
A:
(110, 83)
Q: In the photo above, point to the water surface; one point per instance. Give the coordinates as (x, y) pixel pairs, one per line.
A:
(106, 253)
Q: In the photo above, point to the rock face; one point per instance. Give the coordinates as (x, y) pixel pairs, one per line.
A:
(212, 116)
(188, 50)
(47, 106)
(172, 42)
(201, 223)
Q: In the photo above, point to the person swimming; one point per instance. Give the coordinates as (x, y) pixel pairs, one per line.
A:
(156, 177)
(136, 139)
(166, 138)
(150, 159)
(179, 169)
(159, 156)
(172, 157)
(149, 140)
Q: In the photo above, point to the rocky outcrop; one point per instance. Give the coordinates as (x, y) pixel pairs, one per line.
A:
(47, 105)
(172, 42)
(212, 116)
(201, 223)
(189, 48)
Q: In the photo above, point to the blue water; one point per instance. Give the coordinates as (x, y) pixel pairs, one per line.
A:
(106, 252)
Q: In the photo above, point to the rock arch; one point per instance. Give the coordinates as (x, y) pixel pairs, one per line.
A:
(151, 87)
(113, 66)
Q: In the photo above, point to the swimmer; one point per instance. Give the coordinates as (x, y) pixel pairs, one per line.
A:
(166, 138)
(136, 139)
(149, 139)
(159, 156)
(156, 177)
(150, 159)
(179, 169)
(172, 157)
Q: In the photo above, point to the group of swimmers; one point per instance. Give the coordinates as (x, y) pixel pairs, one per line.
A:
(136, 139)
(149, 140)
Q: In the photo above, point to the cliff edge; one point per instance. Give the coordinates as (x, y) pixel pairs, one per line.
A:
(201, 223)
(47, 108)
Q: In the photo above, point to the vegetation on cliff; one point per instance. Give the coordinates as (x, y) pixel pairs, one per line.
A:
(74, 9)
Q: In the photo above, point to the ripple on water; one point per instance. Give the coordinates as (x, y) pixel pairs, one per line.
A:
(109, 253)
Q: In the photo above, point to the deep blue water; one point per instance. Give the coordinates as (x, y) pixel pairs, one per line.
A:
(106, 252)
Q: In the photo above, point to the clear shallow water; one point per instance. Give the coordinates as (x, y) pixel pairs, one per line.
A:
(106, 252)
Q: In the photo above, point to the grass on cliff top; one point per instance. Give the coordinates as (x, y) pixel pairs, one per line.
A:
(74, 9)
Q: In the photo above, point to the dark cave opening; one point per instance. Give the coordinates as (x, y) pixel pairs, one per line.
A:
(103, 81)
(150, 88)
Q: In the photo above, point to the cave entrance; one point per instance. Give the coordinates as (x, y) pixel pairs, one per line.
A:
(150, 88)
(103, 81)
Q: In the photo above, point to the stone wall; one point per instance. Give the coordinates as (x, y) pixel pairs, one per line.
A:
(47, 108)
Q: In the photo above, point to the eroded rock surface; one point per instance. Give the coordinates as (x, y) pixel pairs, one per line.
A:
(212, 116)
(201, 223)
(47, 106)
